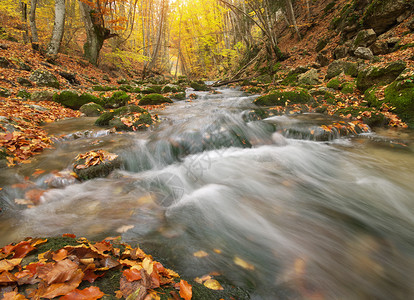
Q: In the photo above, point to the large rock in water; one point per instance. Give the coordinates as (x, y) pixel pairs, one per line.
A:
(91, 109)
(154, 99)
(400, 94)
(381, 15)
(72, 100)
(126, 118)
(280, 98)
(381, 76)
(44, 78)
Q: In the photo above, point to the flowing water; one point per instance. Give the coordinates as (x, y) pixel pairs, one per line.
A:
(282, 212)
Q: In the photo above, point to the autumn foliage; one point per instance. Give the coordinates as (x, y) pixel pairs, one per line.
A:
(73, 270)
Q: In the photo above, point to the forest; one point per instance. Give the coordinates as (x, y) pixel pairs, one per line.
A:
(206, 149)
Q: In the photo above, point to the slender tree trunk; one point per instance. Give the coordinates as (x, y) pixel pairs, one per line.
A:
(23, 7)
(291, 15)
(58, 28)
(179, 43)
(32, 20)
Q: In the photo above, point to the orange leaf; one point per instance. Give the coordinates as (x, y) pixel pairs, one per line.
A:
(9, 264)
(58, 289)
(132, 274)
(57, 272)
(90, 293)
(7, 277)
(186, 290)
(61, 254)
(91, 276)
(22, 248)
(13, 296)
(71, 235)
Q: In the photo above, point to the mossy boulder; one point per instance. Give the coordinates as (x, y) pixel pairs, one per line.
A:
(379, 75)
(400, 94)
(98, 171)
(118, 99)
(370, 97)
(154, 99)
(199, 86)
(368, 115)
(44, 78)
(334, 83)
(283, 97)
(126, 118)
(42, 96)
(148, 90)
(22, 93)
(178, 96)
(24, 82)
(4, 92)
(91, 109)
(309, 78)
(340, 66)
(348, 88)
(171, 88)
(72, 100)
(103, 88)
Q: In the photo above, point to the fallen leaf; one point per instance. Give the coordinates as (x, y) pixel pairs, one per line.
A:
(200, 254)
(132, 274)
(186, 290)
(59, 289)
(213, 284)
(13, 296)
(61, 254)
(242, 263)
(57, 272)
(124, 228)
(9, 264)
(90, 293)
(7, 277)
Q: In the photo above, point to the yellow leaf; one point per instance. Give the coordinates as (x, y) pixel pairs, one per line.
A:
(242, 263)
(200, 254)
(147, 265)
(213, 284)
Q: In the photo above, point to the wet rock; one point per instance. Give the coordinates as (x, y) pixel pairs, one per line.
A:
(178, 96)
(322, 59)
(42, 96)
(98, 171)
(5, 63)
(199, 86)
(70, 77)
(118, 99)
(171, 88)
(379, 75)
(126, 118)
(364, 38)
(400, 94)
(24, 82)
(381, 15)
(340, 66)
(44, 78)
(91, 109)
(154, 99)
(379, 48)
(310, 77)
(364, 53)
(4, 92)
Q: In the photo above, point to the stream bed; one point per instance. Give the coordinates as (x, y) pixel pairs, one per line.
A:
(262, 200)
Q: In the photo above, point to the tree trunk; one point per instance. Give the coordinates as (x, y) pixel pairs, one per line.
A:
(96, 34)
(23, 7)
(32, 19)
(58, 28)
(291, 15)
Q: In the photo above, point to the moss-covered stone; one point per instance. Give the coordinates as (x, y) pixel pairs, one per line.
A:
(154, 99)
(400, 94)
(104, 119)
(369, 116)
(281, 98)
(103, 88)
(131, 121)
(98, 171)
(148, 90)
(199, 86)
(72, 100)
(171, 88)
(44, 78)
(91, 109)
(178, 96)
(4, 92)
(334, 83)
(340, 66)
(347, 88)
(118, 99)
(290, 79)
(22, 93)
(379, 76)
(122, 81)
(370, 97)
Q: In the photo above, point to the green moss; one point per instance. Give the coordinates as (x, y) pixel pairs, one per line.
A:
(330, 98)
(102, 88)
(254, 90)
(122, 81)
(379, 76)
(178, 96)
(281, 98)
(154, 99)
(23, 94)
(197, 86)
(118, 99)
(329, 7)
(290, 79)
(104, 119)
(87, 98)
(334, 83)
(406, 46)
(370, 98)
(4, 92)
(347, 88)
(400, 95)
(91, 109)
(148, 90)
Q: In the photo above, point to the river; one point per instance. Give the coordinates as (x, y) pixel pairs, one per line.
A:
(274, 209)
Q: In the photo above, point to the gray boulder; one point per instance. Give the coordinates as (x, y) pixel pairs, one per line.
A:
(340, 52)
(379, 48)
(364, 53)
(42, 96)
(44, 78)
(340, 66)
(364, 38)
(322, 59)
(309, 78)
(24, 82)
(91, 109)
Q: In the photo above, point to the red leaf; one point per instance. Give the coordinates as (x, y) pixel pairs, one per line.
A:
(7, 277)
(22, 248)
(90, 293)
(186, 290)
(132, 274)
(71, 235)
(91, 276)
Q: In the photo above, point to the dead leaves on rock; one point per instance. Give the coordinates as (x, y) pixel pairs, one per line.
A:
(93, 158)
(60, 273)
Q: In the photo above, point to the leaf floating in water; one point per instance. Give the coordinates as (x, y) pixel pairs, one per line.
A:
(242, 263)
(124, 228)
(200, 254)
(213, 284)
